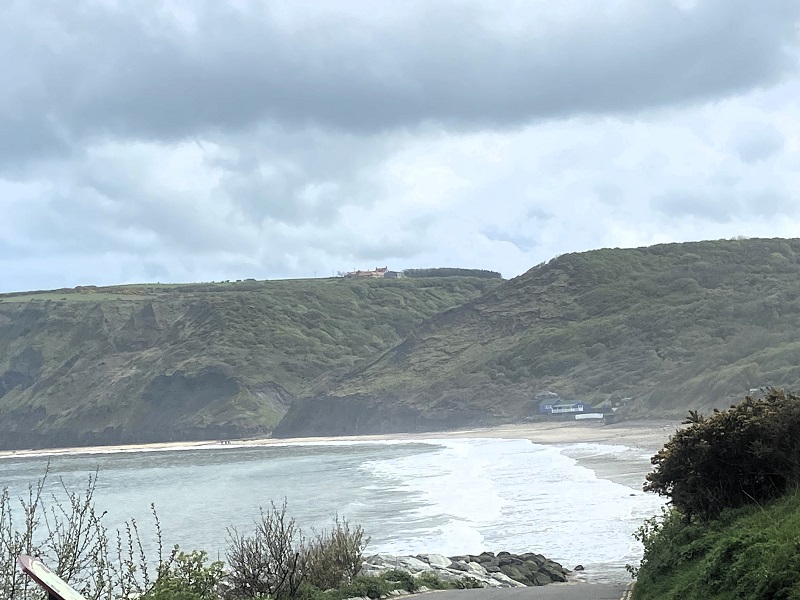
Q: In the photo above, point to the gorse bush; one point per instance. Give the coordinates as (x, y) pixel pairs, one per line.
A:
(404, 579)
(747, 454)
(368, 587)
(732, 480)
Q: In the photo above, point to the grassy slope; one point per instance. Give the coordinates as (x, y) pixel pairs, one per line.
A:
(673, 326)
(153, 361)
(752, 553)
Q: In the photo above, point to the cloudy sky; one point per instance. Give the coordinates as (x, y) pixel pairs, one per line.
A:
(204, 140)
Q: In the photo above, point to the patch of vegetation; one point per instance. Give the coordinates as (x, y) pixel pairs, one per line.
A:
(68, 535)
(188, 577)
(749, 553)
(381, 586)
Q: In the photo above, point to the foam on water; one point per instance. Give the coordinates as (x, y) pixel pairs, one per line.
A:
(518, 496)
(575, 503)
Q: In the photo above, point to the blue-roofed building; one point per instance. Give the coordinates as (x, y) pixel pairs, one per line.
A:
(546, 401)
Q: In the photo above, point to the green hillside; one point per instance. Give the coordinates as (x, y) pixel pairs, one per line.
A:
(161, 362)
(675, 326)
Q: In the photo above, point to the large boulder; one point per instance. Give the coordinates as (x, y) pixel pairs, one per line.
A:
(435, 560)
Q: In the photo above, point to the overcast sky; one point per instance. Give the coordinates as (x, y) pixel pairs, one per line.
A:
(204, 140)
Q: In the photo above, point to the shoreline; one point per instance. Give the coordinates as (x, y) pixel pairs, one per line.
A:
(613, 463)
(649, 435)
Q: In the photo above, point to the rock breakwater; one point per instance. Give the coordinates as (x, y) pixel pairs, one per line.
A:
(501, 570)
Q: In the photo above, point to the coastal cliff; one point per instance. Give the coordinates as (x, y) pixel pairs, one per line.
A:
(150, 363)
(655, 331)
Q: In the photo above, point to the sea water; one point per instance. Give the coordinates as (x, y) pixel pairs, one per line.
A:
(574, 503)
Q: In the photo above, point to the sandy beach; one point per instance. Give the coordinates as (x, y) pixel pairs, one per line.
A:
(649, 435)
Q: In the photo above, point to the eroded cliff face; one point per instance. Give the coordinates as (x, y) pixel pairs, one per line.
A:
(362, 415)
(89, 373)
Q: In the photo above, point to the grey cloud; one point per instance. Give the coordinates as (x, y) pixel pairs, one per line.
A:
(155, 271)
(770, 204)
(86, 218)
(726, 205)
(405, 247)
(281, 196)
(609, 193)
(405, 240)
(537, 213)
(523, 242)
(708, 207)
(755, 143)
(299, 177)
(122, 72)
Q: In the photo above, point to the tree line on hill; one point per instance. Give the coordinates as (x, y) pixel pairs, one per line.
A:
(452, 272)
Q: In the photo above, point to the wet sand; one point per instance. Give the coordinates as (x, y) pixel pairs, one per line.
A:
(650, 435)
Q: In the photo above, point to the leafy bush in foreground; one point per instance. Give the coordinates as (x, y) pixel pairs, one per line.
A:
(745, 455)
(188, 578)
(733, 481)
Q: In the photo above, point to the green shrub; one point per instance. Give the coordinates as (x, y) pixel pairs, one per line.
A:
(467, 583)
(404, 579)
(430, 580)
(187, 578)
(745, 455)
(369, 587)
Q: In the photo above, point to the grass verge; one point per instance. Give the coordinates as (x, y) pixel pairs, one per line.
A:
(748, 553)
